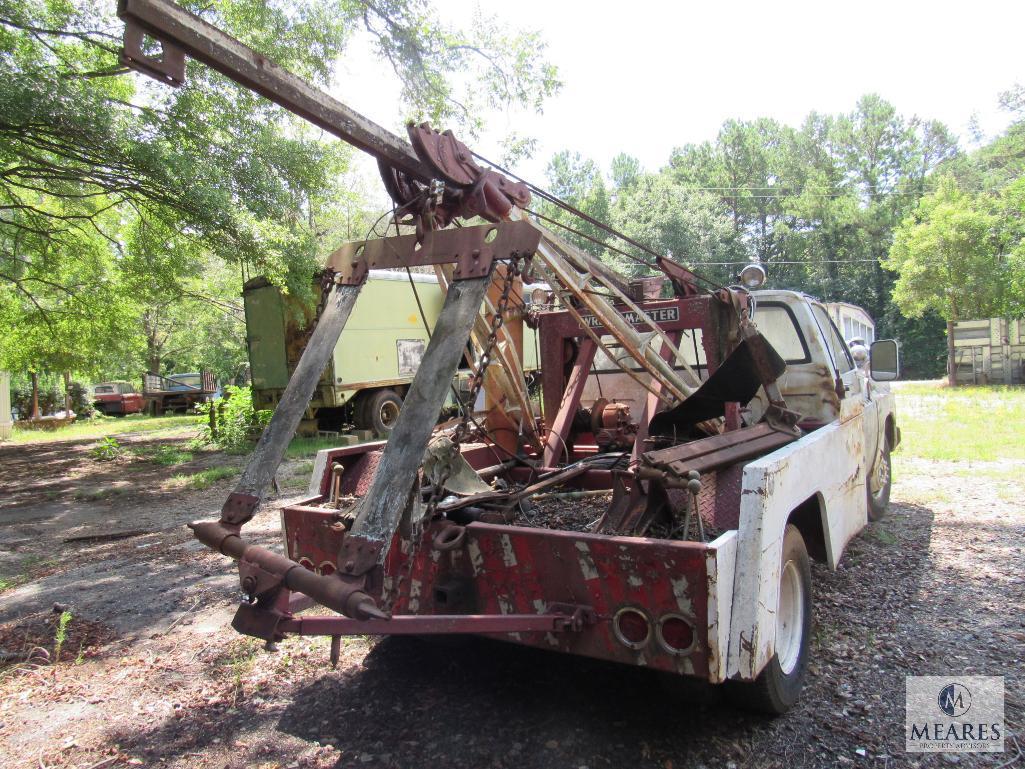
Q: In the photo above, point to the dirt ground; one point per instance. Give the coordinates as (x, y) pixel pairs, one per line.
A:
(149, 673)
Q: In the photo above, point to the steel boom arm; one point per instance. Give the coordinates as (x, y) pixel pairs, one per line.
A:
(174, 26)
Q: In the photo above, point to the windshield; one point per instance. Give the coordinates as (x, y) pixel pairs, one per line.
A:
(103, 389)
(778, 325)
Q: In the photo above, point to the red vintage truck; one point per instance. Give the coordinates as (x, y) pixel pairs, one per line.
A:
(117, 398)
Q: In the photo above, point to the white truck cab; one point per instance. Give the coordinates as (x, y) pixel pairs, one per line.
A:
(825, 486)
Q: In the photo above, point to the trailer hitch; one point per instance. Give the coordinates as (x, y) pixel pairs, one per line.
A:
(264, 575)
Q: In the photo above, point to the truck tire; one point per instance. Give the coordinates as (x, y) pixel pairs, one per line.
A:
(878, 484)
(378, 411)
(778, 687)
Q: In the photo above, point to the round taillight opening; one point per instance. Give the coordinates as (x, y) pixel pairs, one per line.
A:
(676, 634)
(632, 627)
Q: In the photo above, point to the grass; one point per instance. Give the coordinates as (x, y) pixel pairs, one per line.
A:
(978, 424)
(302, 448)
(29, 567)
(203, 479)
(97, 493)
(163, 455)
(98, 428)
(61, 635)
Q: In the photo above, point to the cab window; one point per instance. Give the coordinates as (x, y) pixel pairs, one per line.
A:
(777, 324)
(838, 349)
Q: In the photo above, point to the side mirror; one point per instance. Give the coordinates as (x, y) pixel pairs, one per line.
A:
(884, 360)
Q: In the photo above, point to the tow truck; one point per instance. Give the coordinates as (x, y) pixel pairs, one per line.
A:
(759, 444)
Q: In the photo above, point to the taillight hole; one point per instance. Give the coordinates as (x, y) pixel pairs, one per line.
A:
(632, 627)
(676, 634)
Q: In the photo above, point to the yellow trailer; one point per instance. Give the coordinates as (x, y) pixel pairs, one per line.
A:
(374, 361)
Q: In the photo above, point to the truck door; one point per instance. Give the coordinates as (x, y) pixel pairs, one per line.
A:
(854, 380)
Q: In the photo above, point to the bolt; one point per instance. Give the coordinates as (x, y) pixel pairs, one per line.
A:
(476, 253)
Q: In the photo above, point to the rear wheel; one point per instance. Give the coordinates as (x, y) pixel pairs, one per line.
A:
(379, 411)
(879, 481)
(778, 687)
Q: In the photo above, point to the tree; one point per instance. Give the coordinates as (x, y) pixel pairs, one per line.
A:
(115, 191)
(948, 259)
(578, 181)
(671, 220)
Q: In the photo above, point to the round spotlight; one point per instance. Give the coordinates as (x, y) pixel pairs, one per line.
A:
(675, 634)
(632, 628)
(752, 276)
(539, 296)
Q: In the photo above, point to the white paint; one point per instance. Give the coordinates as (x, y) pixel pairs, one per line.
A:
(587, 567)
(634, 581)
(508, 556)
(319, 471)
(827, 463)
(415, 590)
(720, 563)
(680, 586)
(476, 558)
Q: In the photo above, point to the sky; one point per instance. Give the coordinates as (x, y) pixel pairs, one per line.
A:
(644, 77)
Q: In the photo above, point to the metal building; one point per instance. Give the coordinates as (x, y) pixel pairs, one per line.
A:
(853, 321)
(990, 351)
(6, 423)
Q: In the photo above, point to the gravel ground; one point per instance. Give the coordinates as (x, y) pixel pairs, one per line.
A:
(150, 674)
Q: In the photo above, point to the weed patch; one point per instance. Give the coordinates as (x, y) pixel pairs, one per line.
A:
(203, 479)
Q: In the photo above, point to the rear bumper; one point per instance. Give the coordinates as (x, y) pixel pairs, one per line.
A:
(498, 571)
(110, 407)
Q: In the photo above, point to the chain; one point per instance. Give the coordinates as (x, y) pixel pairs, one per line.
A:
(462, 430)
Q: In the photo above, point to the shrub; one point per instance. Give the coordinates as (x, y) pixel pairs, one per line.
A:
(107, 450)
(236, 423)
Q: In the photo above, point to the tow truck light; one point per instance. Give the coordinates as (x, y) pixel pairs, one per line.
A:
(752, 276)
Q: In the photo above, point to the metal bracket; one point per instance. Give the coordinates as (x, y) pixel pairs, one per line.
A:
(168, 67)
(239, 507)
(255, 580)
(472, 249)
(358, 555)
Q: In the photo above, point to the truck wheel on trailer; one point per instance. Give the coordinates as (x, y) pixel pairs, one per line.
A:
(778, 686)
(879, 481)
(378, 410)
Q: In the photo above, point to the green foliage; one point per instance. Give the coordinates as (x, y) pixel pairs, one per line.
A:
(136, 423)
(166, 455)
(61, 635)
(947, 256)
(203, 479)
(819, 205)
(107, 449)
(977, 424)
(236, 422)
(129, 210)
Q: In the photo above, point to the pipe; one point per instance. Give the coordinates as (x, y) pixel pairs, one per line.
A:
(332, 591)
